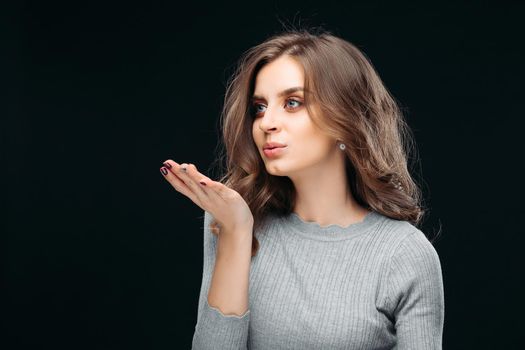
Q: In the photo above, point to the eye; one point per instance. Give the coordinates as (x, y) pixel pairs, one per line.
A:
(298, 103)
(255, 109)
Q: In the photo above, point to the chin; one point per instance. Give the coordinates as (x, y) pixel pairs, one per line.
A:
(275, 170)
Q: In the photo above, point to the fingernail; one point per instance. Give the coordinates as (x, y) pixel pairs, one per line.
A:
(202, 183)
(164, 171)
(167, 165)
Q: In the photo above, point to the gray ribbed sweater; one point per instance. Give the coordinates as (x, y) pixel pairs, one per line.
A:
(375, 284)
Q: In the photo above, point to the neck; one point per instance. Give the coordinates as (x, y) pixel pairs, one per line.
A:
(323, 195)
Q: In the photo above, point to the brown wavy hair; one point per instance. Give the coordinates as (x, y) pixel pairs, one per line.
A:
(354, 107)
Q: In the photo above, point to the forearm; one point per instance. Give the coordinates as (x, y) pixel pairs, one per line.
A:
(230, 281)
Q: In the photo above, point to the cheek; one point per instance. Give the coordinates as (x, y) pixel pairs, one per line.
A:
(310, 138)
(256, 133)
(305, 132)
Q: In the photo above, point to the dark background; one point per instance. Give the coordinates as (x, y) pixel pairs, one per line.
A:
(100, 252)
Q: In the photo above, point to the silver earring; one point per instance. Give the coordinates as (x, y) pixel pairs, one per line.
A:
(342, 146)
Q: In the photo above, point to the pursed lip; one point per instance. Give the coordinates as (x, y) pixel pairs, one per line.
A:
(270, 145)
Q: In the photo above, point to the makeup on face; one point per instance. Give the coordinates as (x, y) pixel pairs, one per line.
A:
(274, 152)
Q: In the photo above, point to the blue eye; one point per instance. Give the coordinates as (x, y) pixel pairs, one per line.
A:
(255, 107)
(298, 103)
(254, 110)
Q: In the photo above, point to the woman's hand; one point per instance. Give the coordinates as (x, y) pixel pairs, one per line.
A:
(226, 205)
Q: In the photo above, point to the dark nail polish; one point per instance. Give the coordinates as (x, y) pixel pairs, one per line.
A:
(164, 171)
(167, 165)
(202, 183)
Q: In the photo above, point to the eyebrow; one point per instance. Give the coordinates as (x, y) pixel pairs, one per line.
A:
(282, 93)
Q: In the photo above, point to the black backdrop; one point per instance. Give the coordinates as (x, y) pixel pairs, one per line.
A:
(100, 252)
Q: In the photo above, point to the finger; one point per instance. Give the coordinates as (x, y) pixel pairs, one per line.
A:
(198, 183)
(191, 177)
(219, 193)
(216, 192)
(180, 185)
(210, 187)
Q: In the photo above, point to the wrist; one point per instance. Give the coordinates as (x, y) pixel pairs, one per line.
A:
(239, 238)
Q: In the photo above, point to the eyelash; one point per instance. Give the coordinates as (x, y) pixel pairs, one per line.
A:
(255, 105)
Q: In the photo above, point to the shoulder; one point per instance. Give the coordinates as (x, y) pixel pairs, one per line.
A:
(411, 252)
(402, 237)
(416, 253)
(268, 223)
(406, 248)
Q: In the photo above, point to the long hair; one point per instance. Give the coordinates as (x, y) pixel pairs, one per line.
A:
(354, 107)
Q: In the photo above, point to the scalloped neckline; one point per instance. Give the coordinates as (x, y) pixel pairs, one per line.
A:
(314, 230)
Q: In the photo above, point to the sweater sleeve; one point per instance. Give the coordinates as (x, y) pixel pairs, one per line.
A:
(416, 294)
(215, 330)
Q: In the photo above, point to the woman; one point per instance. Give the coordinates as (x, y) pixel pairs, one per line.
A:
(309, 238)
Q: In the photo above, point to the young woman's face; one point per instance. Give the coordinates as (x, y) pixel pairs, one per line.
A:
(280, 116)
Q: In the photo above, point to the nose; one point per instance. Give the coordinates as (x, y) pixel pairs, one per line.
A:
(270, 120)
